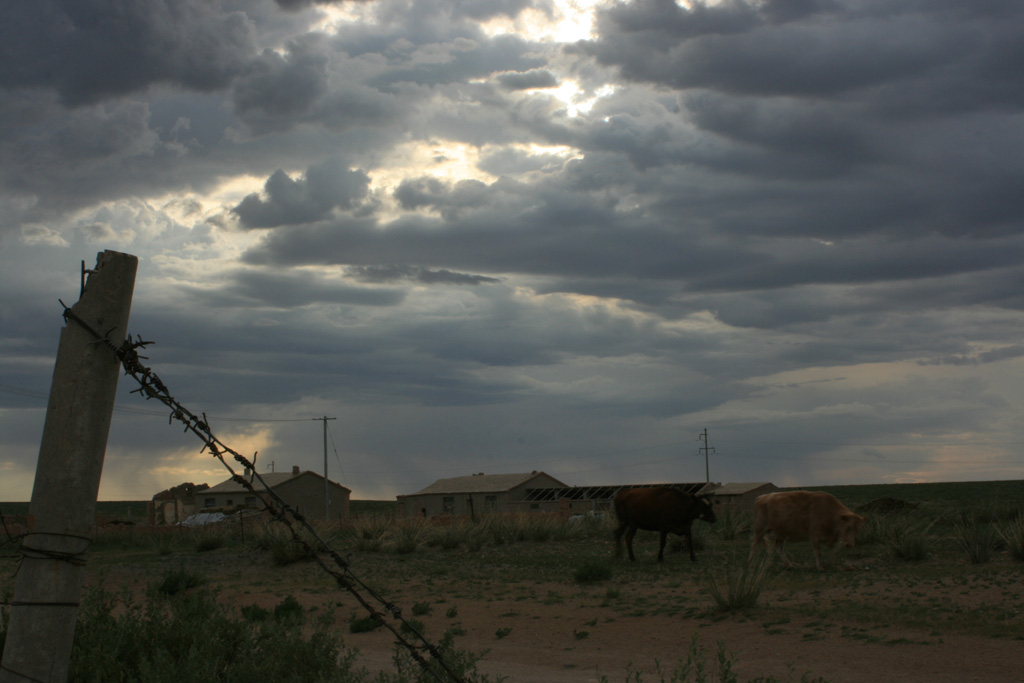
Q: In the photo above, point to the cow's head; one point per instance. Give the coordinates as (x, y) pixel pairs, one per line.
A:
(849, 524)
(705, 510)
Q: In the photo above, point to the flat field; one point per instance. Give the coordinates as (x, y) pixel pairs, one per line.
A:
(934, 591)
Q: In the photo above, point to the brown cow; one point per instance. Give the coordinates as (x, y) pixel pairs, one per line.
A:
(662, 509)
(800, 516)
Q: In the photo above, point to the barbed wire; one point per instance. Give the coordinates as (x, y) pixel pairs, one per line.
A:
(151, 387)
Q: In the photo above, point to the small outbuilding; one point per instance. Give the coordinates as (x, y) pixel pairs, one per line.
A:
(739, 495)
(302, 490)
(477, 494)
(175, 504)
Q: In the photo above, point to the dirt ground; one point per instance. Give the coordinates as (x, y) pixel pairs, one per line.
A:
(542, 648)
(558, 632)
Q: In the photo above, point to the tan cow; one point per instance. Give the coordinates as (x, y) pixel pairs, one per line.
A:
(800, 516)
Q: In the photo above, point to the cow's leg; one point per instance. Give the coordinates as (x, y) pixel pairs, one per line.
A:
(661, 546)
(817, 555)
(629, 542)
(689, 542)
(782, 554)
(618, 539)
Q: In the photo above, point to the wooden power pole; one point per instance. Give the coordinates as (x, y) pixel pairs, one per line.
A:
(327, 484)
(62, 512)
(706, 448)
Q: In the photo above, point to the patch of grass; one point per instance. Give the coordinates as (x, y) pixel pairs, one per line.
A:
(189, 637)
(1012, 533)
(907, 538)
(363, 623)
(732, 523)
(502, 632)
(421, 608)
(737, 585)
(210, 539)
(283, 547)
(411, 625)
(177, 581)
(975, 539)
(409, 534)
(592, 570)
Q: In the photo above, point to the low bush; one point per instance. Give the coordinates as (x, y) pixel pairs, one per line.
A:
(1012, 533)
(177, 581)
(907, 538)
(737, 585)
(363, 623)
(732, 523)
(192, 638)
(408, 534)
(283, 547)
(976, 539)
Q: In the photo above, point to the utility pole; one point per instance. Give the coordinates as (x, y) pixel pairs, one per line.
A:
(327, 485)
(62, 514)
(704, 437)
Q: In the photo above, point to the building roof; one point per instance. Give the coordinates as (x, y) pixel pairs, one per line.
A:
(481, 483)
(738, 488)
(271, 479)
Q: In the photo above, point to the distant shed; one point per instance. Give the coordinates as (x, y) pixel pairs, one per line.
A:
(303, 490)
(740, 494)
(477, 494)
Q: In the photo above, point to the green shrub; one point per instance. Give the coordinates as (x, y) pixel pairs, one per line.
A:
(284, 548)
(737, 585)
(408, 535)
(255, 613)
(731, 523)
(413, 625)
(461, 663)
(364, 623)
(449, 536)
(289, 611)
(374, 527)
(421, 608)
(907, 538)
(210, 539)
(177, 581)
(1012, 533)
(190, 638)
(975, 539)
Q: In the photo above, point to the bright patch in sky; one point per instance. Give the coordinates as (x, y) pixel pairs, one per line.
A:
(571, 21)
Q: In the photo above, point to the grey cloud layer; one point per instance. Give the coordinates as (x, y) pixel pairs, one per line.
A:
(761, 188)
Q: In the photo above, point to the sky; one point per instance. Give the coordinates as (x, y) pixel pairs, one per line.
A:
(511, 235)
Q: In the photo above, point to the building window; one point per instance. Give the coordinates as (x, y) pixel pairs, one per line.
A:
(210, 502)
(491, 503)
(448, 505)
(250, 500)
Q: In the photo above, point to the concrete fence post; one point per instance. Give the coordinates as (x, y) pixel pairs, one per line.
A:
(62, 511)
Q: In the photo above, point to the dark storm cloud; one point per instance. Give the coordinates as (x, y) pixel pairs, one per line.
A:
(88, 50)
(325, 187)
(282, 87)
(529, 80)
(426, 276)
(759, 195)
(294, 289)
